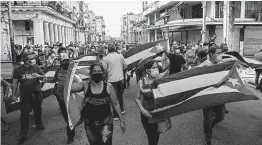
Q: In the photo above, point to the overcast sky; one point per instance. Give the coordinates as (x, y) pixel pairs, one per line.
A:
(112, 11)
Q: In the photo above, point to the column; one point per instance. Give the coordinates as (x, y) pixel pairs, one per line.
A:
(148, 36)
(51, 33)
(62, 35)
(68, 36)
(46, 32)
(59, 33)
(243, 9)
(55, 33)
(71, 34)
(38, 32)
(167, 37)
(204, 21)
(155, 34)
(213, 9)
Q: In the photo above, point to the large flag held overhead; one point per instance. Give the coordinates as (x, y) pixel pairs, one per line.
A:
(135, 55)
(198, 88)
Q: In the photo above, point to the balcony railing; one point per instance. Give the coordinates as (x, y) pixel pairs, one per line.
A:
(51, 4)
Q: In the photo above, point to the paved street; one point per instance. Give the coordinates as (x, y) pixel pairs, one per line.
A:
(242, 126)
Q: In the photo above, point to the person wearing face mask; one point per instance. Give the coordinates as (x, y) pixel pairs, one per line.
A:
(215, 114)
(99, 101)
(145, 102)
(51, 58)
(59, 79)
(177, 61)
(28, 75)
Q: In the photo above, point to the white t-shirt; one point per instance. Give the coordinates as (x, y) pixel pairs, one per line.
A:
(114, 64)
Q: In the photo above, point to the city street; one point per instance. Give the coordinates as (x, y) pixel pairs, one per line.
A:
(220, 40)
(242, 126)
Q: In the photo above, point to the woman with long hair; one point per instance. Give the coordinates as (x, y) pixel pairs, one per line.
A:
(145, 102)
(99, 100)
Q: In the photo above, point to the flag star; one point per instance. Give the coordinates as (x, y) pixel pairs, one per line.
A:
(159, 47)
(234, 82)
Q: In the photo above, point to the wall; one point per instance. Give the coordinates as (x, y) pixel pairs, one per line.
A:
(20, 34)
(252, 40)
(194, 36)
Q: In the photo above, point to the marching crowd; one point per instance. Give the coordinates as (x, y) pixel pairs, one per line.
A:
(103, 94)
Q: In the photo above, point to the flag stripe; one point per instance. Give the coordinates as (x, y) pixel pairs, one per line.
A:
(199, 103)
(182, 85)
(195, 71)
(139, 56)
(141, 48)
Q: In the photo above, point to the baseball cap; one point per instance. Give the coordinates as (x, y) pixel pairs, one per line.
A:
(64, 57)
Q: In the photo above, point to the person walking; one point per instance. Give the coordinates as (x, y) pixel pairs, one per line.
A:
(145, 102)
(59, 78)
(215, 114)
(28, 75)
(177, 61)
(115, 64)
(99, 99)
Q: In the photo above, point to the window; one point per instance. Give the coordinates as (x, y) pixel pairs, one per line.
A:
(219, 9)
(253, 8)
(197, 11)
(152, 19)
(237, 9)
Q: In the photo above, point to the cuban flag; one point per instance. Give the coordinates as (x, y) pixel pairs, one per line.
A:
(135, 55)
(247, 74)
(198, 88)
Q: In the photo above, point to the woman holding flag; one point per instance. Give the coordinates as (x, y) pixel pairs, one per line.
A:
(97, 109)
(151, 70)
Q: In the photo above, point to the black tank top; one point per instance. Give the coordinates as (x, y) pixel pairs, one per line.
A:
(97, 106)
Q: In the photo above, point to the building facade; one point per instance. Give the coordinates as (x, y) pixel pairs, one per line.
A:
(183, 21)
(100, 28)
(41, 22)
(128, 29)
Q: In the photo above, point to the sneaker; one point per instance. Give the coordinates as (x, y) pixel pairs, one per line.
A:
(69, 141)
(21, 140)
(40, 127)
(116, 118)
(123, 111)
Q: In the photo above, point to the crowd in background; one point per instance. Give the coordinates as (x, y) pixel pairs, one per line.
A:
(48, 55)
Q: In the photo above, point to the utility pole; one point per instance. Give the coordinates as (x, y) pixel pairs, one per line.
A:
(204, 22)
(228, 25)
(231, 17)
(225, 16)
(11, 32)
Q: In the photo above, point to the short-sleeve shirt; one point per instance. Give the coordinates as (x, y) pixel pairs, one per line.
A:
(176, 62)
(114, 64)
(28, 82)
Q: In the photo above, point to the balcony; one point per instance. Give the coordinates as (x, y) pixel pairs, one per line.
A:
(51, 4)
(157, 6)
